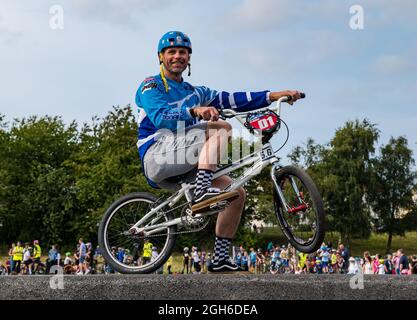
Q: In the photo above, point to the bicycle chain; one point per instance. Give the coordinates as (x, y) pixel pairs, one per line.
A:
(178, 232)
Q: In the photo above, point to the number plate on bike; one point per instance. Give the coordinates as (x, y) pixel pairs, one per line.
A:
(262, 121)
(266, 153)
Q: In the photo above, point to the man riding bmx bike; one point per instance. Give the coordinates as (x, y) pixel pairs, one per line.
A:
(168, 104)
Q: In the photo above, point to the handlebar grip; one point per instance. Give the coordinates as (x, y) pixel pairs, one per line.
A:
(302, 96)
(224, 116)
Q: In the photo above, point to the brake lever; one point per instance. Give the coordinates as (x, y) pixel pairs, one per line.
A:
(223, 116)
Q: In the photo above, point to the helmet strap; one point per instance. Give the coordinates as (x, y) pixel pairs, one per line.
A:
(189, 69)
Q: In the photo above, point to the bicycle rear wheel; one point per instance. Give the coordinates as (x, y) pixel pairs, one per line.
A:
(299, 209)
(128, 253)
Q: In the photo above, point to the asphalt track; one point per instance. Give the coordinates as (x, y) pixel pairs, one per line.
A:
(217, 287)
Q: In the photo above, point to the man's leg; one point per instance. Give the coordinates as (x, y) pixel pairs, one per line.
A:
(218, 135)
(226, 226)
(229, 219)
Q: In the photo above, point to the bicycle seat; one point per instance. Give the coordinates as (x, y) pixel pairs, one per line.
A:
(174, 183)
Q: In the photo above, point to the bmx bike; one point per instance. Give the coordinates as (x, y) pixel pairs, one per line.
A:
(142, 217)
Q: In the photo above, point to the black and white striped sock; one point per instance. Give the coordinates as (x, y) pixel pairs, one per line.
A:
(203, 181)
(221, 250)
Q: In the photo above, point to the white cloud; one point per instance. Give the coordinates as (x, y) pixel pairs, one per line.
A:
(263, 13)
(118, 12)
(391, 65)
(9, 32)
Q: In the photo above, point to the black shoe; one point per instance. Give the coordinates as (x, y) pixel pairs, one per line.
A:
(224, 266)
(207, 194)
(210, 197)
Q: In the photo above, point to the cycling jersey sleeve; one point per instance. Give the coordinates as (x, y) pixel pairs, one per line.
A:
(152, 98)
(239, 101)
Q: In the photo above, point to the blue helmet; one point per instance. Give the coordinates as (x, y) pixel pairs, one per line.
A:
(174, 39)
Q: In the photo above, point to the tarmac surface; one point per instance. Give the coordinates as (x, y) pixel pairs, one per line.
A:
(208, 287)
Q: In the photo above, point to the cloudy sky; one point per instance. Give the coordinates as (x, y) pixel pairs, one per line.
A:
(107, 47)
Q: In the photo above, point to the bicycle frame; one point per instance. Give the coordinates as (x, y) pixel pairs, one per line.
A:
(257, 162)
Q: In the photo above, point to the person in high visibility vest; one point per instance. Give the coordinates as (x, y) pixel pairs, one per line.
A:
(147, 251)
(37, 253)
(17, 257)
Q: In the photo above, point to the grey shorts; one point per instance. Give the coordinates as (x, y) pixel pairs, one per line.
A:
(175, 155)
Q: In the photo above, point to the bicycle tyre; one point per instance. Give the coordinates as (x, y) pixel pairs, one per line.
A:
(317, 203)
(106, 251)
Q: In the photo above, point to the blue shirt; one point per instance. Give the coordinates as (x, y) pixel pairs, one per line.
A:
(252, 256)
(170, 110)
(83, 249)
(52, 254)
(276, 255)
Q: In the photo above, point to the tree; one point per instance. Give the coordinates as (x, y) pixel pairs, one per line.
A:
(106, 166)
(343, 176)
(35, 186)
(391, 188)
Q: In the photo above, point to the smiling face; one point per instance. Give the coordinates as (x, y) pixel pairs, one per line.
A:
(175, 60)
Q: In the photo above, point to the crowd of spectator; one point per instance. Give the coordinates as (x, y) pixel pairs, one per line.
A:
(285, 259)
(27, 260)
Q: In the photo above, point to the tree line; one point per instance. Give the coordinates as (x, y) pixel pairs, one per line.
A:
(57, 179)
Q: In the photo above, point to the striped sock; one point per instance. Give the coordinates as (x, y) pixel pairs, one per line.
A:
(203, 182)
(221, 250)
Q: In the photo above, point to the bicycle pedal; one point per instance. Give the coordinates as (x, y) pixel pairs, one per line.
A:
(219, 205)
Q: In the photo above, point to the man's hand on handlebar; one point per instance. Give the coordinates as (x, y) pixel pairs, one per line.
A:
(294, 94)
(206, 113)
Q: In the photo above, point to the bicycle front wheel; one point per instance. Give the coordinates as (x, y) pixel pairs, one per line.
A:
(299, 208)
(128, 253)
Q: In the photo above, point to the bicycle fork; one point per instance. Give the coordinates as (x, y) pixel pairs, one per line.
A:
(300, 197)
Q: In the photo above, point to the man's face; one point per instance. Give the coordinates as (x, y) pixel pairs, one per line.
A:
(176, 59)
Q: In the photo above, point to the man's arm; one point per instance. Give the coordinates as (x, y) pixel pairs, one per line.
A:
(242, 101)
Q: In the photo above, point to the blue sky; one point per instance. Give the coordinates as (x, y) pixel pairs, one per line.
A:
(108, 47)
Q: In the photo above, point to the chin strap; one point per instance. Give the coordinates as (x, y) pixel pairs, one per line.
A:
(189, 69)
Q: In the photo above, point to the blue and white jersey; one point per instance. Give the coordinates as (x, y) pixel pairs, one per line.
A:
(159, 109)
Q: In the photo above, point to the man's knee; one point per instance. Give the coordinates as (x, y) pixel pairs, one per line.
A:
(219, 128)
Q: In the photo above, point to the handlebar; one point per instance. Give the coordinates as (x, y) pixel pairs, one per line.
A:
(229, 113)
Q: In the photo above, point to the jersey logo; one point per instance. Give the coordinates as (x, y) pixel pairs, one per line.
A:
(149, 86)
